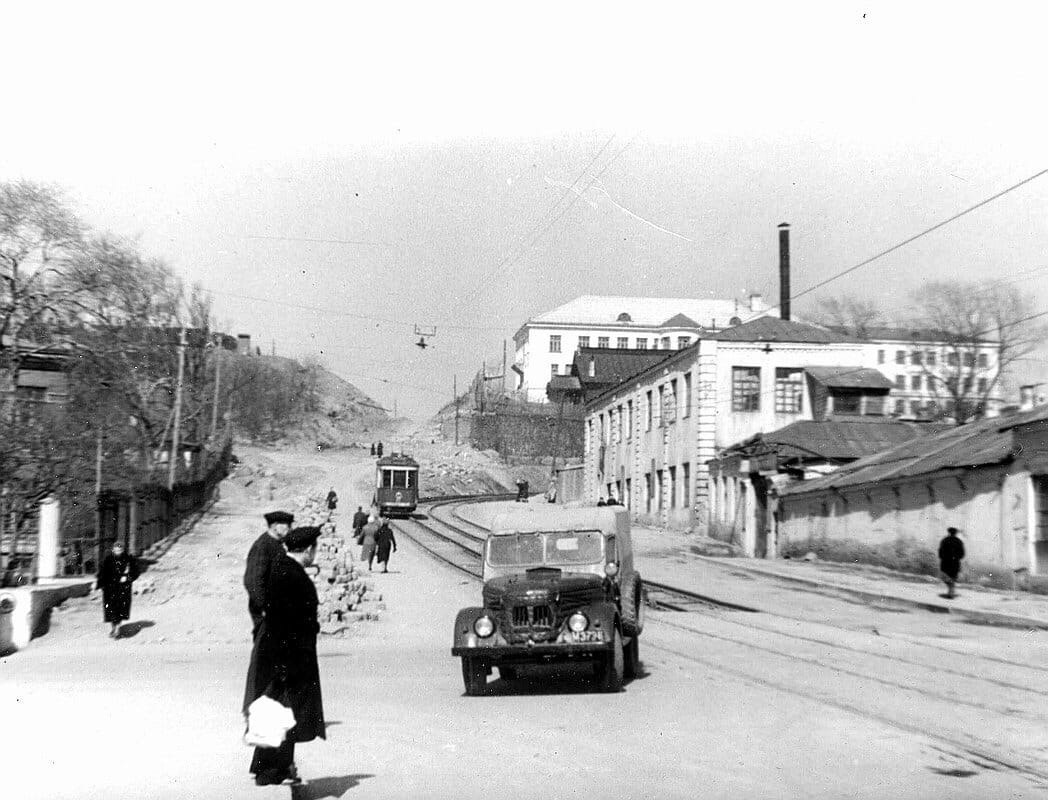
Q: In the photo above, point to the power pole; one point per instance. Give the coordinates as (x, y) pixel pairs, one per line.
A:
(456, 391)
(218, 386)
(503, 390)
(172, 461)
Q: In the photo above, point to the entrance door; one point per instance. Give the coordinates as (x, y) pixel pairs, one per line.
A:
(1040, 524)
(760, 516)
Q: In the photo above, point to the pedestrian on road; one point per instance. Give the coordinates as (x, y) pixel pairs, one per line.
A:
(360, 519)
(601, 502)
(384, 539)
(378, 450)
(368, 537)
(284, 657)
(119, 570)
(372, 448)
(267, 548)
(332, 499)
(951, 553)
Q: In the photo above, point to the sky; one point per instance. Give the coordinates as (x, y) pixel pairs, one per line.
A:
(337, 176)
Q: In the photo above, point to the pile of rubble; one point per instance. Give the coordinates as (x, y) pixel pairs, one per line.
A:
(345, 597)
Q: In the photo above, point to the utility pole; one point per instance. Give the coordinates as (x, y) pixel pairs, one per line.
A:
(172, 461)
(503, 390)
(456, 391)
(218, 386)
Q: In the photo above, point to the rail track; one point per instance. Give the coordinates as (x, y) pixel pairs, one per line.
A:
(784, 656)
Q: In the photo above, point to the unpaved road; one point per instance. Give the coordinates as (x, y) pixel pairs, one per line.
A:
(157, 714)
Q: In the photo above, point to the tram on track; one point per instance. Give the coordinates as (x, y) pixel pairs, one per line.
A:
(396, 485)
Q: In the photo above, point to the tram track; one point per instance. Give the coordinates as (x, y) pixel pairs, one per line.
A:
(851, 661)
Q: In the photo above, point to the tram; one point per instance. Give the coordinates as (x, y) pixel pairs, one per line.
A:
(396, 484)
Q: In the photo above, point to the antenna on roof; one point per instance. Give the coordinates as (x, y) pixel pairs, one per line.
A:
(422, 331)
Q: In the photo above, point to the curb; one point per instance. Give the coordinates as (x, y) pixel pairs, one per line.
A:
(827, 587)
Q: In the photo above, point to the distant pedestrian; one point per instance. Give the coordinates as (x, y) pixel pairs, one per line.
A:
(332, 499)
(367, 540)
(384, 539)
(372, 448)
(284, 657)
(267, 548)
(378, 450)
(360, 519)
(602, 502)
(119, 570)
(551, 492)
(951, 553)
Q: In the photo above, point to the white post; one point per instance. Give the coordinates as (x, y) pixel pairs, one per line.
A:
(47, 543)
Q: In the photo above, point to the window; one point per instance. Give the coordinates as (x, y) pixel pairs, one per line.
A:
(592, 368)
(983, 385)
(683, 341)
(658, 488)
(745, 388)
(665, 343)
(629, 419)
(915, 382)
(648, 492)
(952, 359)
(847, 403)
(618, 418)
(880, 356)
(603, 430)
(553, 370)
(642, 344)
(602, 341)
(900, 407)
(687, 394)
(789, 390)
(662, 406)
(622, 342)
(670, 408)
(583, 341)
(673, 487)
(969, 359)
(900, 356)
(900, 381)
(685, 487)
(915, 357)
(984, 360)
(930, 358)
(875, 405)
(554, 344)
(567, 369)
(647, 410)
(629, 493)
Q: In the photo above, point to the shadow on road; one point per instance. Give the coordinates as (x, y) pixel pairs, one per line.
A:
(129, 629)
(326, 787)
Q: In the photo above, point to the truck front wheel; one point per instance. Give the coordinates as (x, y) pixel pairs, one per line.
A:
(474, 676)
(611, 670)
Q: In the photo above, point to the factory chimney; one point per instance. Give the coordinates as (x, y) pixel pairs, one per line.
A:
(784, 271)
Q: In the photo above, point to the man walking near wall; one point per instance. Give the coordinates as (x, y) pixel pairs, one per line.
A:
(267, 548)
(951, 553)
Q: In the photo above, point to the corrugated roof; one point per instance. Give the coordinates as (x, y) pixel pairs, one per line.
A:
(843, 438)
(647, 311)
(850, 377)
(979, 443)
(773, 329)
(613, 366)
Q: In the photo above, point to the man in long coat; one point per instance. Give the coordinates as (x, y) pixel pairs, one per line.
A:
(951, 553)
(267, 548)
(360, 519)
(384, 540)
(118, 571)
(284, 657)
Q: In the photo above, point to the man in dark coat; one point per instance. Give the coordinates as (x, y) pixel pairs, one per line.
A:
(384, 539)
(266, 549)
(951, 553)
(378, 450)
(332, 499)
(284, 657)
(360, 519)
(118, 571)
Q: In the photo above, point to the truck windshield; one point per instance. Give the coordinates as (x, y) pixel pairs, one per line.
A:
(552, 548)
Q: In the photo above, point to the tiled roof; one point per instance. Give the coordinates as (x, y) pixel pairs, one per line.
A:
(850, 377)
(647, 311)
(980, 443)
(773, 329)
(847, 438)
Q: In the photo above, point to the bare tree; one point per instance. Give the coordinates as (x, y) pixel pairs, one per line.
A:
(982, 328)
(848, 313)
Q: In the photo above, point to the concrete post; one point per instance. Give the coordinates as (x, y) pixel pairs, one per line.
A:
(47, 541)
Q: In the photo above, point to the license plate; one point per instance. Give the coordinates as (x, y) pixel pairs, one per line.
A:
(586, 636)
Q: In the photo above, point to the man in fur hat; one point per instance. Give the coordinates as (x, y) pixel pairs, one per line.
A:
(267, 547)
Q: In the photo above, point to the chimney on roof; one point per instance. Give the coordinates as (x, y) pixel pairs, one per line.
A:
(1026, 398)
(784, 271)
(756, 301)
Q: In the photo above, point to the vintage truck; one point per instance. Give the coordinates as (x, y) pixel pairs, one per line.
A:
(559, 585)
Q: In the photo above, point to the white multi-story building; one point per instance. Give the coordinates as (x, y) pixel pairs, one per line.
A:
(546, 344)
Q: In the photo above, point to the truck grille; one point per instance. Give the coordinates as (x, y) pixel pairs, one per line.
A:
(533, 617)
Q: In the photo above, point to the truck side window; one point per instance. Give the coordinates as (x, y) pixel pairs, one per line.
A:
(612, 551)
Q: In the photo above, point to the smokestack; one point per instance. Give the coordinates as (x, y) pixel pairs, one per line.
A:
(784, 270)
(1026, 401)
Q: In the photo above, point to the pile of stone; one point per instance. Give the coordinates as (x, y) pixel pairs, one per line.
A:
(345, 597)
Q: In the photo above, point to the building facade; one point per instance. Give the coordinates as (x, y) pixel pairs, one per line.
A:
(546, 344)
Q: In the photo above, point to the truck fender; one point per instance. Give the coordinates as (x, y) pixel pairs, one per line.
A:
(603, 616)
(464, 624)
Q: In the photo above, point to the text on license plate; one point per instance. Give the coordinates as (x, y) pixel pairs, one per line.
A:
(586, 636)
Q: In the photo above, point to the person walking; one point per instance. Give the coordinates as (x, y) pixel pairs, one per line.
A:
(368, 536)
(284, 657)
(951, 553)
(267, 548)
(372, 448)
(360, 519)
(118, 571)
(332, 499)
(384, 539)
(378, 450)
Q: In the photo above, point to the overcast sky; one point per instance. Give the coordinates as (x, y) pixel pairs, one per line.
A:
(432, 143)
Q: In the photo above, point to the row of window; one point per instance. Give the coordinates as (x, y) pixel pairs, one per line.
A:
(656, 497)
(622, 342)
(746, 389)
(919, 382)
(617, 425)
(930, 358)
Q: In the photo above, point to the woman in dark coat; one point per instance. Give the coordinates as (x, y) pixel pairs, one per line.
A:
(284, 658)
(118, 571)
(384, 539)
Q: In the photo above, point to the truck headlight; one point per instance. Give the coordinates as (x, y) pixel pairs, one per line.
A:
(578, 622)
(484, 626)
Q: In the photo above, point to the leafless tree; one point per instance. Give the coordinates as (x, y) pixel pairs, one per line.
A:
(848, 313)
(983, 328)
